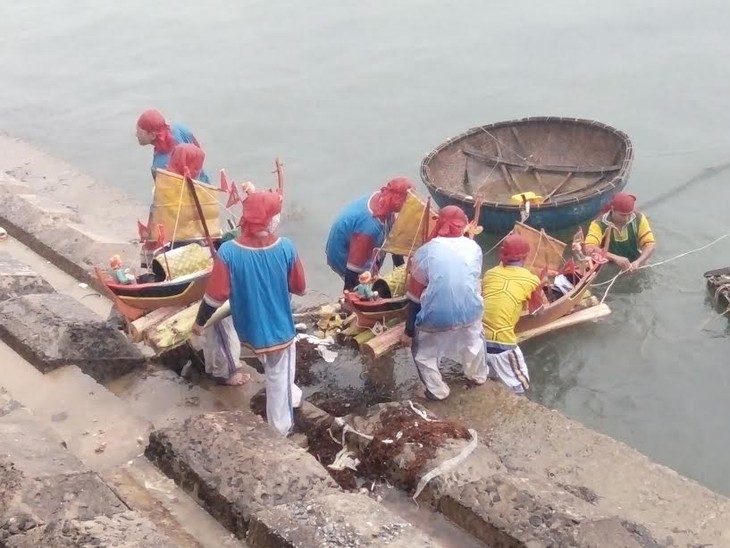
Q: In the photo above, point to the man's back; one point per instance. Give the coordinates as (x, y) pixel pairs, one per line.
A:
(505, 290)
(450, 268)
(260, 301)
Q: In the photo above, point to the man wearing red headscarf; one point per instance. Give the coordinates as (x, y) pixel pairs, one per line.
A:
(361, 228)
(257, 272)
(187, 159)
(507, 289)
(444, 316)
(153, 129)
(624, 232)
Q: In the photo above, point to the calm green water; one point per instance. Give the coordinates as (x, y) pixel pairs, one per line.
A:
(350, 94)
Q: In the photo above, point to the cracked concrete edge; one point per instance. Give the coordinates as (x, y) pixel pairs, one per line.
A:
(91, 508)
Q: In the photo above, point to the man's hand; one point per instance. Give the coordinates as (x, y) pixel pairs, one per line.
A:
(405, 340)
(622, 262)
(198, 329)
(633, 267)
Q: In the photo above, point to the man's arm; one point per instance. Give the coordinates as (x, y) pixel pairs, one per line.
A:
(593, 243)
(217, 292)
(646, 252)
(646, 242)
(297, 281)
(359, 254)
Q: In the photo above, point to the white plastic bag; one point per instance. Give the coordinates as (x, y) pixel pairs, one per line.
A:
(221, 349)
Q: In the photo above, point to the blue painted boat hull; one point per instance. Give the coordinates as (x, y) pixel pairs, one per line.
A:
(500, 220)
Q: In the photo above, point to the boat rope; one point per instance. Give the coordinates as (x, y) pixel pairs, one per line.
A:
(681, 152)
(713, 317)
(177, 216)
(665, 261)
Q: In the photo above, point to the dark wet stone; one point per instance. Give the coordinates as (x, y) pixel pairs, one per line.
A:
(236, 465)
(52, 330)
(337, 520)
(17, 278)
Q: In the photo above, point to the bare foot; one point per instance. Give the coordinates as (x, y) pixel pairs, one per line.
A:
(238, 379)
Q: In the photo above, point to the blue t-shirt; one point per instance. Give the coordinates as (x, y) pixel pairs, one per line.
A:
(356, 218)
(260, 301)
(450, 268)
(182, 135)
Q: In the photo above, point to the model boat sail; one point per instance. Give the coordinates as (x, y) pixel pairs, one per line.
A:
(177, 245)
(566, 283)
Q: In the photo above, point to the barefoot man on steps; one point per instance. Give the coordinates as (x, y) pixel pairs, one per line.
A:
(258, 271)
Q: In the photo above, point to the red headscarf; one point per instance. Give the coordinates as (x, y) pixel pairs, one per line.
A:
(514, 248)
(258, 210)
(186, 158)
(451, 222)
(391, 197)
(153, 121)
(622, 202)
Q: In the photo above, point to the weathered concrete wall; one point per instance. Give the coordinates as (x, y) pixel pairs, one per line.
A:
(51, 330)
(236, 465)
(50, 498)
(17, 278)
(266, 489)
(339, 519)
(530, 439)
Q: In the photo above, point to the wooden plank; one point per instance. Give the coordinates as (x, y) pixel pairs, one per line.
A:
(506, 173)
(559, 186)
(586, 315)
(140, 325)
(382, 344)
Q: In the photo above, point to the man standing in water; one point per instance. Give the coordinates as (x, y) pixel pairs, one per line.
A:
(506, 289)
(153, 129)
(444, 316)
(257, 271)
(624, 231)
(361, 228)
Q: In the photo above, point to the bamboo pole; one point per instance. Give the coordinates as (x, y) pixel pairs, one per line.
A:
(382, 344)
(138, 327)
(589, 314)
(173, 331)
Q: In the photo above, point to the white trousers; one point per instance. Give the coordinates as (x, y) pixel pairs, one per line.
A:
(222, 349)
(464, 345)
(511, 369)
(282, 395)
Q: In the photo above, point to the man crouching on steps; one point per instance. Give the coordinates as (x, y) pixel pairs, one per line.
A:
(506, 289)
(257, 271)
(444, 316)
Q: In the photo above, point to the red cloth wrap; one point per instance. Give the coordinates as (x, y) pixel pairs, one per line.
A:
(258, 210)
(622, 202)
(187, 159)
(153, 121)
(391, 197)
(451, 222)
(514, 248)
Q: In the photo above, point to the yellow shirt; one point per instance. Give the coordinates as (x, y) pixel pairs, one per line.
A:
(505, 290)
(644, 233)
